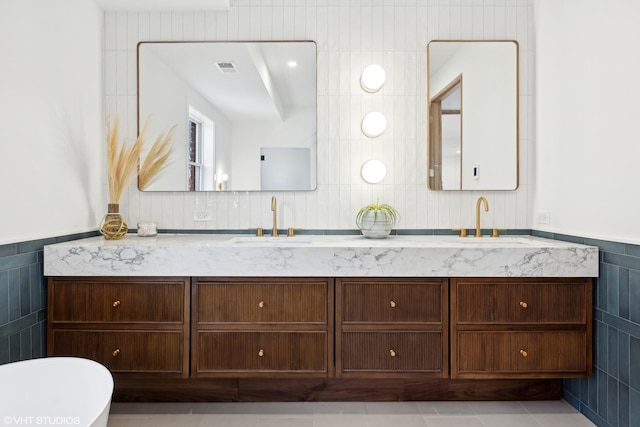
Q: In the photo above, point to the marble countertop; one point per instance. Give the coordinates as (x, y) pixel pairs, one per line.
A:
(321, 256)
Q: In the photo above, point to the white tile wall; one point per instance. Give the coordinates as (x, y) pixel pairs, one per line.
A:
(350, 35)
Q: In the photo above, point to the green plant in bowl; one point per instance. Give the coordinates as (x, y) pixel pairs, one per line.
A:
(377, 219)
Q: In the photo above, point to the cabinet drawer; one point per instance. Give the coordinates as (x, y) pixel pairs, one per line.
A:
(394, 301)
(95, 301)
(486, 302)
(238, 352)
(248, 302)
(392, 351)
(532, 353)
(124, 351)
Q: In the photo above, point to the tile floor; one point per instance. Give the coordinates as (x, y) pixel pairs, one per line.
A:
(349, 414)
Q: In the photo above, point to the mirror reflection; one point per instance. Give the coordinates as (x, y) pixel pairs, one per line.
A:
(473, 115)
(245, 113)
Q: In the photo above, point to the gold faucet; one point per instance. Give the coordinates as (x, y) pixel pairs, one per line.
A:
(274, 208)
(486, 209)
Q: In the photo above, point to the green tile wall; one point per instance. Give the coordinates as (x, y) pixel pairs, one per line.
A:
(23, 299)
(611, 397)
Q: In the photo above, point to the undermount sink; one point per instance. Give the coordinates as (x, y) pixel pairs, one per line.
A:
(270, 239)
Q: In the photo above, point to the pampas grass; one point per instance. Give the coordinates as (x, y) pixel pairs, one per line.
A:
(156, 160)
(122, 160)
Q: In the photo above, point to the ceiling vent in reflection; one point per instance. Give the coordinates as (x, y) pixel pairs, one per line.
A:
(227, 67)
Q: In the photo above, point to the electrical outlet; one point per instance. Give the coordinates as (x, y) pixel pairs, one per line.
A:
(201, 215)
(544, 217)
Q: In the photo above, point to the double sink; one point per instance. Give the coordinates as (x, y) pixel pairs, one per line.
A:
(321, 256)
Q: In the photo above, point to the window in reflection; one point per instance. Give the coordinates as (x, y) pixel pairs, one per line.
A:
(201, 152)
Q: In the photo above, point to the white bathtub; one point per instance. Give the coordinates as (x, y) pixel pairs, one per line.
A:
(55, 391)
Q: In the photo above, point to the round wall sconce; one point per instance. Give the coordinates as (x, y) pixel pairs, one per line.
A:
(372, 78)
(373, 171)
(374, 124)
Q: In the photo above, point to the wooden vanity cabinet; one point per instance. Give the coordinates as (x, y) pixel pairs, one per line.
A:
(262, 327)
(131, 325)
(521, 328)
(391, 328)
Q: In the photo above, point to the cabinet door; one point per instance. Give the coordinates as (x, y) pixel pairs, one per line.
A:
(514, 302)
(392, 351)
(391, 301)
(125, 351)
(262, 302)
(261, 353)
(392, 328)
(521, 354)
(117, 301)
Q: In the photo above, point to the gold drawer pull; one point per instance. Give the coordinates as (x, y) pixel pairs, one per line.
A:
(523, 304)
(116, 303)
(115, 352)
(261, 304)
(392, 353)
(392, 303)
(261, 353)
(524, 353)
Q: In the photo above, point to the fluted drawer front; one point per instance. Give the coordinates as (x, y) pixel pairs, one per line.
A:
(287, 302)
(392, 301)
(530, 352)
(262, 351)
(124, 351)
(80, 301)
(483, 302)
(392, 351)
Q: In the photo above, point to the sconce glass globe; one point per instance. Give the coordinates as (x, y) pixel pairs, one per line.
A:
(374, 124)
(372, 78)
(373, 171)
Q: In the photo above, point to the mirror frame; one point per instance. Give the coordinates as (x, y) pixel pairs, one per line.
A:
(515, 181)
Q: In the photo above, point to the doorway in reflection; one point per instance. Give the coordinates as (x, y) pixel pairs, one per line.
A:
(446, 137)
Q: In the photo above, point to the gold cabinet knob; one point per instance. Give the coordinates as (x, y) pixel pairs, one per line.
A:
(392, 303)
(392, 353)
(261, 353)
(523, 304)
(261, 304)
(524, 353)
(116, 303)
(115, 352)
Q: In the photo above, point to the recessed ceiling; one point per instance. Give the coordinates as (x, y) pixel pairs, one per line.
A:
(174, 5)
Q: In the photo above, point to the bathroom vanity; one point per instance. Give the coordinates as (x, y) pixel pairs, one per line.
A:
(214, 317)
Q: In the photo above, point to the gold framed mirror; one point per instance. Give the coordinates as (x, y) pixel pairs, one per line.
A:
(244, 113)
(472, 95)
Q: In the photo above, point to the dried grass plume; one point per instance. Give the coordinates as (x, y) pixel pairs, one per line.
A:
(122, 160)
(156, 160)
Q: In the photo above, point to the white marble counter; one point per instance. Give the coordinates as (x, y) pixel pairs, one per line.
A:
(321, 256)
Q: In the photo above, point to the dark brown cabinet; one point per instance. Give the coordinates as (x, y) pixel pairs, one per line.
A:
(391, 327)
(262, 327)
(131, 325)
(311, 338)
(521, 328)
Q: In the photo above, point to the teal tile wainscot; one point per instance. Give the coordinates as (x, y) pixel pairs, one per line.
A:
(611, 397)
(23, 298)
